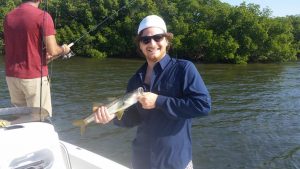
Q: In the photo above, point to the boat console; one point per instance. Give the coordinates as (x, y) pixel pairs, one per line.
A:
(30, 145)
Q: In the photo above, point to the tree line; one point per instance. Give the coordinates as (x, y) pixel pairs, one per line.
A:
(204, 30)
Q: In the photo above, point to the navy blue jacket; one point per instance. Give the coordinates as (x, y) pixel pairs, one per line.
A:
(163, 138)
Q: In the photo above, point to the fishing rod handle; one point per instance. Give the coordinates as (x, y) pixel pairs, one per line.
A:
(70, 45)
(70, 54)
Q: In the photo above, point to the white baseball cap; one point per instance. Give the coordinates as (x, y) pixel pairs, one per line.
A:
(152, 21)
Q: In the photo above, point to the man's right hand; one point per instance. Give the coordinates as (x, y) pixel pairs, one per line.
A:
(102, 116)
(65, 49)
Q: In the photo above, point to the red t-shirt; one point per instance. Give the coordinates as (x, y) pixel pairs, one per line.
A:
(23, 29)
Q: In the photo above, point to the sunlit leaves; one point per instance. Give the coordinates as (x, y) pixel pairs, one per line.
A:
(204, 30)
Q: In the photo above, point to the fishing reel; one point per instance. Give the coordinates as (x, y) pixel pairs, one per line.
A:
(68, 55)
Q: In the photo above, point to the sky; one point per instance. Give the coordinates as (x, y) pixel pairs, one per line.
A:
(278, 7)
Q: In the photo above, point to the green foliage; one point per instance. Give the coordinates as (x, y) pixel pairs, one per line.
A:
(94, 53)
(295, 21)
(204, 30)
(5, 7)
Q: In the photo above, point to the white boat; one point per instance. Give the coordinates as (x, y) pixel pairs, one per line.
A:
(30, 142)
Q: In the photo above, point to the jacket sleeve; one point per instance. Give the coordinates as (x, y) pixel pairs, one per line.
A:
(195, 100)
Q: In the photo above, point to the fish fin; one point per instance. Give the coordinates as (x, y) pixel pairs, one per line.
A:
(78, 123)
(96, 106)
(82, 129)
(119, 114)
(81, 124)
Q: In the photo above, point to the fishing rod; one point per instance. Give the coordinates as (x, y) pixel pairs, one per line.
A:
(70, 54)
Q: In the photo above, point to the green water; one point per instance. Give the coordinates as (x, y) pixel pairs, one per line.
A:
(254, 123)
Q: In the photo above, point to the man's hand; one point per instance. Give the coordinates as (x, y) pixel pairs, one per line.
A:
(102, 116)
(148, 100)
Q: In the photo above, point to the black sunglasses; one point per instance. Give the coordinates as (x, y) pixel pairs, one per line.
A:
(156, 38)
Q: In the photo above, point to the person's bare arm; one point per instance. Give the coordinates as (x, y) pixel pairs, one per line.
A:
(53, 49)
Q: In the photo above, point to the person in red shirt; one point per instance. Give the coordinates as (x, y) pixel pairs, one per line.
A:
(30, 43)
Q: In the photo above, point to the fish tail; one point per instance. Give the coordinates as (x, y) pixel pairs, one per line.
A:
(79, 123)
(82, 124)
(82, 129)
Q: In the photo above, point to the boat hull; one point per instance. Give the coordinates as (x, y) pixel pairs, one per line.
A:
(82, 159)
(37, 145)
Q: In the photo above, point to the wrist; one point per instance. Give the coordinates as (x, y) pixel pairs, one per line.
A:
(63, 50)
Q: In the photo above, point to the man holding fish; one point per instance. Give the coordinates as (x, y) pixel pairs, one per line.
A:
(174, 93)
